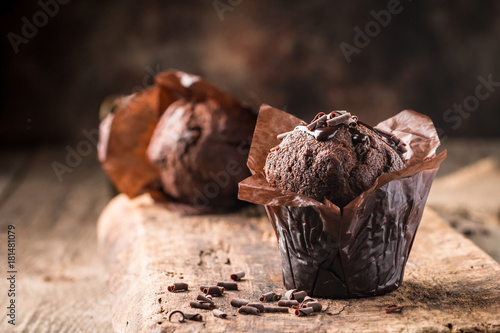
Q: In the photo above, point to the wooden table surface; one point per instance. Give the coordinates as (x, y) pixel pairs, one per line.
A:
(61, 280)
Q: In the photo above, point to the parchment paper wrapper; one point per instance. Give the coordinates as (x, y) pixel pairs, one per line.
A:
(362, 249)
(125, 135)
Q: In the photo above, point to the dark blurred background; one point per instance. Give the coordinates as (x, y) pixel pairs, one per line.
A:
(72, 54)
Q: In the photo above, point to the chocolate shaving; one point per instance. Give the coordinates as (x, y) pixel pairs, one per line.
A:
(303, 312)
(316, 306)
(288, 294)
(205, 299)
(219, 314)
(193, 316)
(288, 303)
(185, 315)
(178, 286)
(270, 296)
(249, 310)
(259, 306)
(308, 299)
(320, 122)
(343, 119)
(382, 132)
(237, 276)
(239, 302)
(172, 313)
(299, 296)
(228, 285)
(321, 114)
(201, 305)
(394, 308)
(390, 138)
(275, 309)
(214, 291)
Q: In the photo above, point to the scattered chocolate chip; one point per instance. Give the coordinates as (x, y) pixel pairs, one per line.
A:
(249, 310)
(201, 305)
(303, 311)
(228, 285)
(178, 286)
(239, 302)
(219, 314)
(256, 305)
(288, 303)
(237, 276)
(275, 309)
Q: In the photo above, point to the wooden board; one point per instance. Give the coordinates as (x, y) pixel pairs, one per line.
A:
(470, 200)
(60, 285)
(450, 285)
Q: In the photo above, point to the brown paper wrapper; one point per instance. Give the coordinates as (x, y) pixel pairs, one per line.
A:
(126, 134)
(361, 249)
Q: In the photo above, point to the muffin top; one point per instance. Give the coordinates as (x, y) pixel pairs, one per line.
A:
(335, 157)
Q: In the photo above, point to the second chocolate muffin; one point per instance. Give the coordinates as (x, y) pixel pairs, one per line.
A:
(333, 158)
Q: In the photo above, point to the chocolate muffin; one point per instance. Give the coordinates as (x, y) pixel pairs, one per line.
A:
(334, 158)
(362, 248)
(182, 141)
(200, 147)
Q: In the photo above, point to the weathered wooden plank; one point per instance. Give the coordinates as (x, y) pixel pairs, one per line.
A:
(470, 200)
(450, 285)
(60, 282)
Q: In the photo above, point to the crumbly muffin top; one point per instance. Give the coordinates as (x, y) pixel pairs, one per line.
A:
(335, 158)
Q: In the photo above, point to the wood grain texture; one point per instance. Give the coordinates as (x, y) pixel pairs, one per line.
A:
(60, 283)
(469, 200)
(450, 285)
